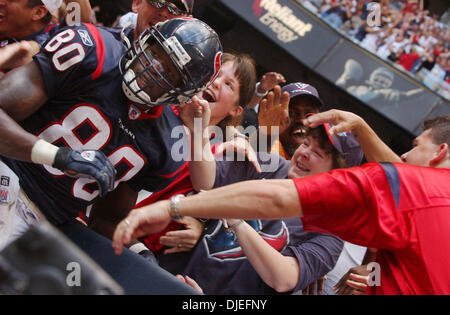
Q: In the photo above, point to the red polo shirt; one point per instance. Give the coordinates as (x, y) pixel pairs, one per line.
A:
(402, 210)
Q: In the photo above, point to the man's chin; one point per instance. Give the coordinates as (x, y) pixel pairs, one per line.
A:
(297, 174)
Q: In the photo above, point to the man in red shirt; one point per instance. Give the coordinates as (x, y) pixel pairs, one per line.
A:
(403, 210)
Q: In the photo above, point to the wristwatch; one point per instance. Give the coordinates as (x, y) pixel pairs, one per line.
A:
(232, 228)
(256, 90)
(174, 211)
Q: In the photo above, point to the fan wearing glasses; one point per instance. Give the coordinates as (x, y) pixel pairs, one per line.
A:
(150, 12)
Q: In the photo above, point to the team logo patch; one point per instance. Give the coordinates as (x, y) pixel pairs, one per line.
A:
(3, 195)
(134, 113)
(222, 245)
(88, 155)
(4, 181)
(85, 37)
(302, 87)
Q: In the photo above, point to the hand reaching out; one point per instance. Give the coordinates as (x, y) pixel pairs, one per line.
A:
(342, 121)
(17, 54)
(190, 282)
(274, 110)
(353, 282)
(315, 287)
(270, 80)
(196, 109)
(241, 146)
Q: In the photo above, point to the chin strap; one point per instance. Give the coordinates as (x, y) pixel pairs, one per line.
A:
(122, 34)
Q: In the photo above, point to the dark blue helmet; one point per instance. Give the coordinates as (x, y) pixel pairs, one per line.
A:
(193, 47)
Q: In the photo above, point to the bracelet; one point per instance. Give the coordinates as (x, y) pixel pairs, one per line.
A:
(174, 211)
(256, 90)
(232, 228)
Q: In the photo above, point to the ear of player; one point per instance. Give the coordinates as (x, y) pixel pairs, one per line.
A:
(87, 163)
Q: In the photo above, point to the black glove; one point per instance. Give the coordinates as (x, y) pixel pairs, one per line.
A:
(87, 163)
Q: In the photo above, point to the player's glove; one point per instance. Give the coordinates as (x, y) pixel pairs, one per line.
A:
(87, 163)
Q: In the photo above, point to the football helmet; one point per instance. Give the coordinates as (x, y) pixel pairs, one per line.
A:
(194, 49)
(381, 78)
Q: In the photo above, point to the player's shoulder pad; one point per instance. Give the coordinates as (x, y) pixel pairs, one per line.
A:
(76, 44)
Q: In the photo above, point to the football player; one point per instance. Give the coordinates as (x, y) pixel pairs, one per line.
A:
(90, 106)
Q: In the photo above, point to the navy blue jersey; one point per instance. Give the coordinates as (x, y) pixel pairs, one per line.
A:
(88, 110)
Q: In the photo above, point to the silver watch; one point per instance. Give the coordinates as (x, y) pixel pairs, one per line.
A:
(174, 210)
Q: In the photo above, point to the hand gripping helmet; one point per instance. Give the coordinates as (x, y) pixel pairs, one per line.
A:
(192, 46)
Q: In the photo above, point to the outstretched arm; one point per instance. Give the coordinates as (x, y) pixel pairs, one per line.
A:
(267, 199)
(17, 54)
(202, 165)
(267, 83)
(278, 271)
(373, 147)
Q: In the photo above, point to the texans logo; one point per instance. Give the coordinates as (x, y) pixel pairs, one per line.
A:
(221, 245)
(133, 113)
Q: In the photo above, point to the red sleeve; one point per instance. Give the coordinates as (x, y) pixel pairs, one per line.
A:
(357, 205)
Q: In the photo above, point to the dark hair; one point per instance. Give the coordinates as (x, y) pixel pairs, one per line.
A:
(32, 3)
(246, 74)
(320, 135)
(440, 129)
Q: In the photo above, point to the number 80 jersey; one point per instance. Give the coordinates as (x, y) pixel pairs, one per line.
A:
(88, 110)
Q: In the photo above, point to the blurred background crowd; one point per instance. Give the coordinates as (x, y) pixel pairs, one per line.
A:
(405, 34)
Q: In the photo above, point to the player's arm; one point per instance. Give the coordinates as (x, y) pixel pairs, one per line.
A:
(22, 93)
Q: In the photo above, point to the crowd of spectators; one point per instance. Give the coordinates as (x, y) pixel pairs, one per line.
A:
(398, 31)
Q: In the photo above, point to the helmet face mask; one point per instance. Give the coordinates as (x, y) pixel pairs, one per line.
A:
(171, 62)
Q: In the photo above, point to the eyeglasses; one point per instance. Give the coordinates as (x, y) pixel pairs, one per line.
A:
(172, 8)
